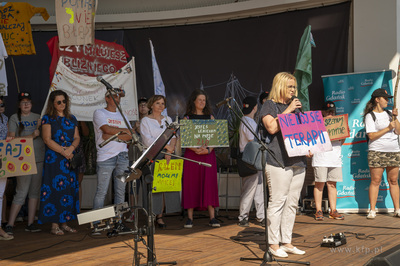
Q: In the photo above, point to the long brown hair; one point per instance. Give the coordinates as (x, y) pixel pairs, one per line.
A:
(191, 108)
(371, 104)
(51, 110)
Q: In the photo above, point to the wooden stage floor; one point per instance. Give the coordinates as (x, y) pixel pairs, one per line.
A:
(203, 245)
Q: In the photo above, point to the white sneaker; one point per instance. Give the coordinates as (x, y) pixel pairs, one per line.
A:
(396, 213)
(278, 253)
(293, 250)
(371, 214)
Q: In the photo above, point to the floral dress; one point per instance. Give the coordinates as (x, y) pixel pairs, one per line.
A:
(59, 201)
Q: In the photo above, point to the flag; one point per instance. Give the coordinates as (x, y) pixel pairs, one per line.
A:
(303, 69)
(159, 88)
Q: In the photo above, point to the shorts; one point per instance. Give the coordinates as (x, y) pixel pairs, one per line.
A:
(380, 159)
(332, 174)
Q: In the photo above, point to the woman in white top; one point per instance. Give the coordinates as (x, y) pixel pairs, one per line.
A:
(382, 128)
(151, 127)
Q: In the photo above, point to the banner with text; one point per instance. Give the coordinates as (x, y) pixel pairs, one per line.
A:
(87, 94)
(304, 132)
(351, 92)
(207, 132)
(168, 177)
(17, 158)
(92, 60)
(337, 126)
(75, 21)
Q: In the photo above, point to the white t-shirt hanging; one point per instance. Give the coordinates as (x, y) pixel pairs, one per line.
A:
(3, 74)
(389, 141)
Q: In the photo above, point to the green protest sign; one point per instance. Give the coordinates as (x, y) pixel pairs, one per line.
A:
(209, 132)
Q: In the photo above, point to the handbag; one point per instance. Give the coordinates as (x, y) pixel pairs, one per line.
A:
(244, 169)
(252, 155)
(75, 162)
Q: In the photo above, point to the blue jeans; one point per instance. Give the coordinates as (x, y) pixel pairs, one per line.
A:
(114, 166)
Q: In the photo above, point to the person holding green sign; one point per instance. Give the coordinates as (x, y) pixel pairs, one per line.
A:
(199, 183)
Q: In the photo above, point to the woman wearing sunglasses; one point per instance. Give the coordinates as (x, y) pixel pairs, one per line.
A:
(59, 202)
(3, 181)
(26, 124)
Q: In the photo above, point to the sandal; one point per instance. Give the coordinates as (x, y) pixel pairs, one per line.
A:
(162, 224)
(56, 231)
(68, 229)
(6, 237)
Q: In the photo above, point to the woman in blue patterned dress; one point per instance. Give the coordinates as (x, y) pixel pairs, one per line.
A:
(59, 201)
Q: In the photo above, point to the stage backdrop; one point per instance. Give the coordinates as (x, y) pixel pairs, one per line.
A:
(351, 92)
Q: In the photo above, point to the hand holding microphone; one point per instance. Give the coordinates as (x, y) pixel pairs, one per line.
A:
(296, 104)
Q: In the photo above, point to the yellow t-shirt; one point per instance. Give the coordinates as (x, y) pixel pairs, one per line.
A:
(16, 28)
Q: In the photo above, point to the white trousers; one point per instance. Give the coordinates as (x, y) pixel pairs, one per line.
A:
(252, 189)
(3, 182)
(284, 192)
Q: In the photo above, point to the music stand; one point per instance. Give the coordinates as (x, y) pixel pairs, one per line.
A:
(267, 255)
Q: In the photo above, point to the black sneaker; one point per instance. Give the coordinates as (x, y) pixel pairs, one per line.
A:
(214, 223)
(244, 223)
(262, 223)
(9, 229)
(32, 228)
(189, 223)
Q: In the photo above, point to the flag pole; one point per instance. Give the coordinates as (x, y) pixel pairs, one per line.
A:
(395, 87)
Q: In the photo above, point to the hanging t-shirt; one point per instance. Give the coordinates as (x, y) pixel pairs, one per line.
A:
(16, 28)
(3, 74)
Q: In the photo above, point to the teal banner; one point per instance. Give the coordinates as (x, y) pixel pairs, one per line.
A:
(351, 92)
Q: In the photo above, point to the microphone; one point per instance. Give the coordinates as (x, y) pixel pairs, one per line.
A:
(108, 85)
(300, 109)
(218, 105)
(113, 137)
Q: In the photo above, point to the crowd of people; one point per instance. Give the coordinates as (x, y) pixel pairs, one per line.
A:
(55, 188)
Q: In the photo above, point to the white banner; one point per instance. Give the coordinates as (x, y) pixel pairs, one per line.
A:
(87, 94)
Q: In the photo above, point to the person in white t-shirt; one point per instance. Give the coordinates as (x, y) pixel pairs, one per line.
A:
(328, 169)
(382, 128)
(112, 159)
(252, 186)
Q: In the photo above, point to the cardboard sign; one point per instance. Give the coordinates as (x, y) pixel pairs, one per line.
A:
(167, 177)
(337, 127)
(207, 132)
(17, 158)
(75, 21)
(304, 132)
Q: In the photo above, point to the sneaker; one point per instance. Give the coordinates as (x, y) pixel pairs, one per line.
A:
(32, 228)
(396, 213)
(319, 216)
(293, 250)
(19, 219)
(371, 214)
(189, 223)
(214, 223)
(244, 223)
(262, 223)
(9, 229)
(335, 215)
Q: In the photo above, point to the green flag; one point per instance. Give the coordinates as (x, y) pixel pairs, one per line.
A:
(303, 69)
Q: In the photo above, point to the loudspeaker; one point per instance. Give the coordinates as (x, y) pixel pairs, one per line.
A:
(389, 257)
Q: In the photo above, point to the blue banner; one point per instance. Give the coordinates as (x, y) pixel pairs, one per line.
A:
(351, 92)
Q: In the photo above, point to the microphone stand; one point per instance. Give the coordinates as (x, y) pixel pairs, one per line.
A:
(268, 257)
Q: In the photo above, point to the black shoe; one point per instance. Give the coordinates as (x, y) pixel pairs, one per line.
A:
(214, 223)
(244, 223)
(189, 223)
(262, 223)
(9, 229)
(32, 228)
(161, 225)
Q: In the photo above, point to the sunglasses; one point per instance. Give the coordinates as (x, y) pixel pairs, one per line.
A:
(59, 102)
(2, 105)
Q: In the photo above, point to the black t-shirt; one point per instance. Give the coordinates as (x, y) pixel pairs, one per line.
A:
(277, 145)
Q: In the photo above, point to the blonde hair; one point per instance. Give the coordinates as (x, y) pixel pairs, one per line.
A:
(279, 86)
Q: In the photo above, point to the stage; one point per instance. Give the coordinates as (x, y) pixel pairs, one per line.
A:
(203, 245)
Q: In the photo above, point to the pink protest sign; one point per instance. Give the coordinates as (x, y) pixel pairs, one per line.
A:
(303, 132)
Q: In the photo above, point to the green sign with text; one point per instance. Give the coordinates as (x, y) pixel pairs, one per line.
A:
(207, 132)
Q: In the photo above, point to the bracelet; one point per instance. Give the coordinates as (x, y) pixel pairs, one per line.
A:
(73, 146)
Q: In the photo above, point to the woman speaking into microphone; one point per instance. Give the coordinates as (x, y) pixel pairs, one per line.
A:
(284, 184)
